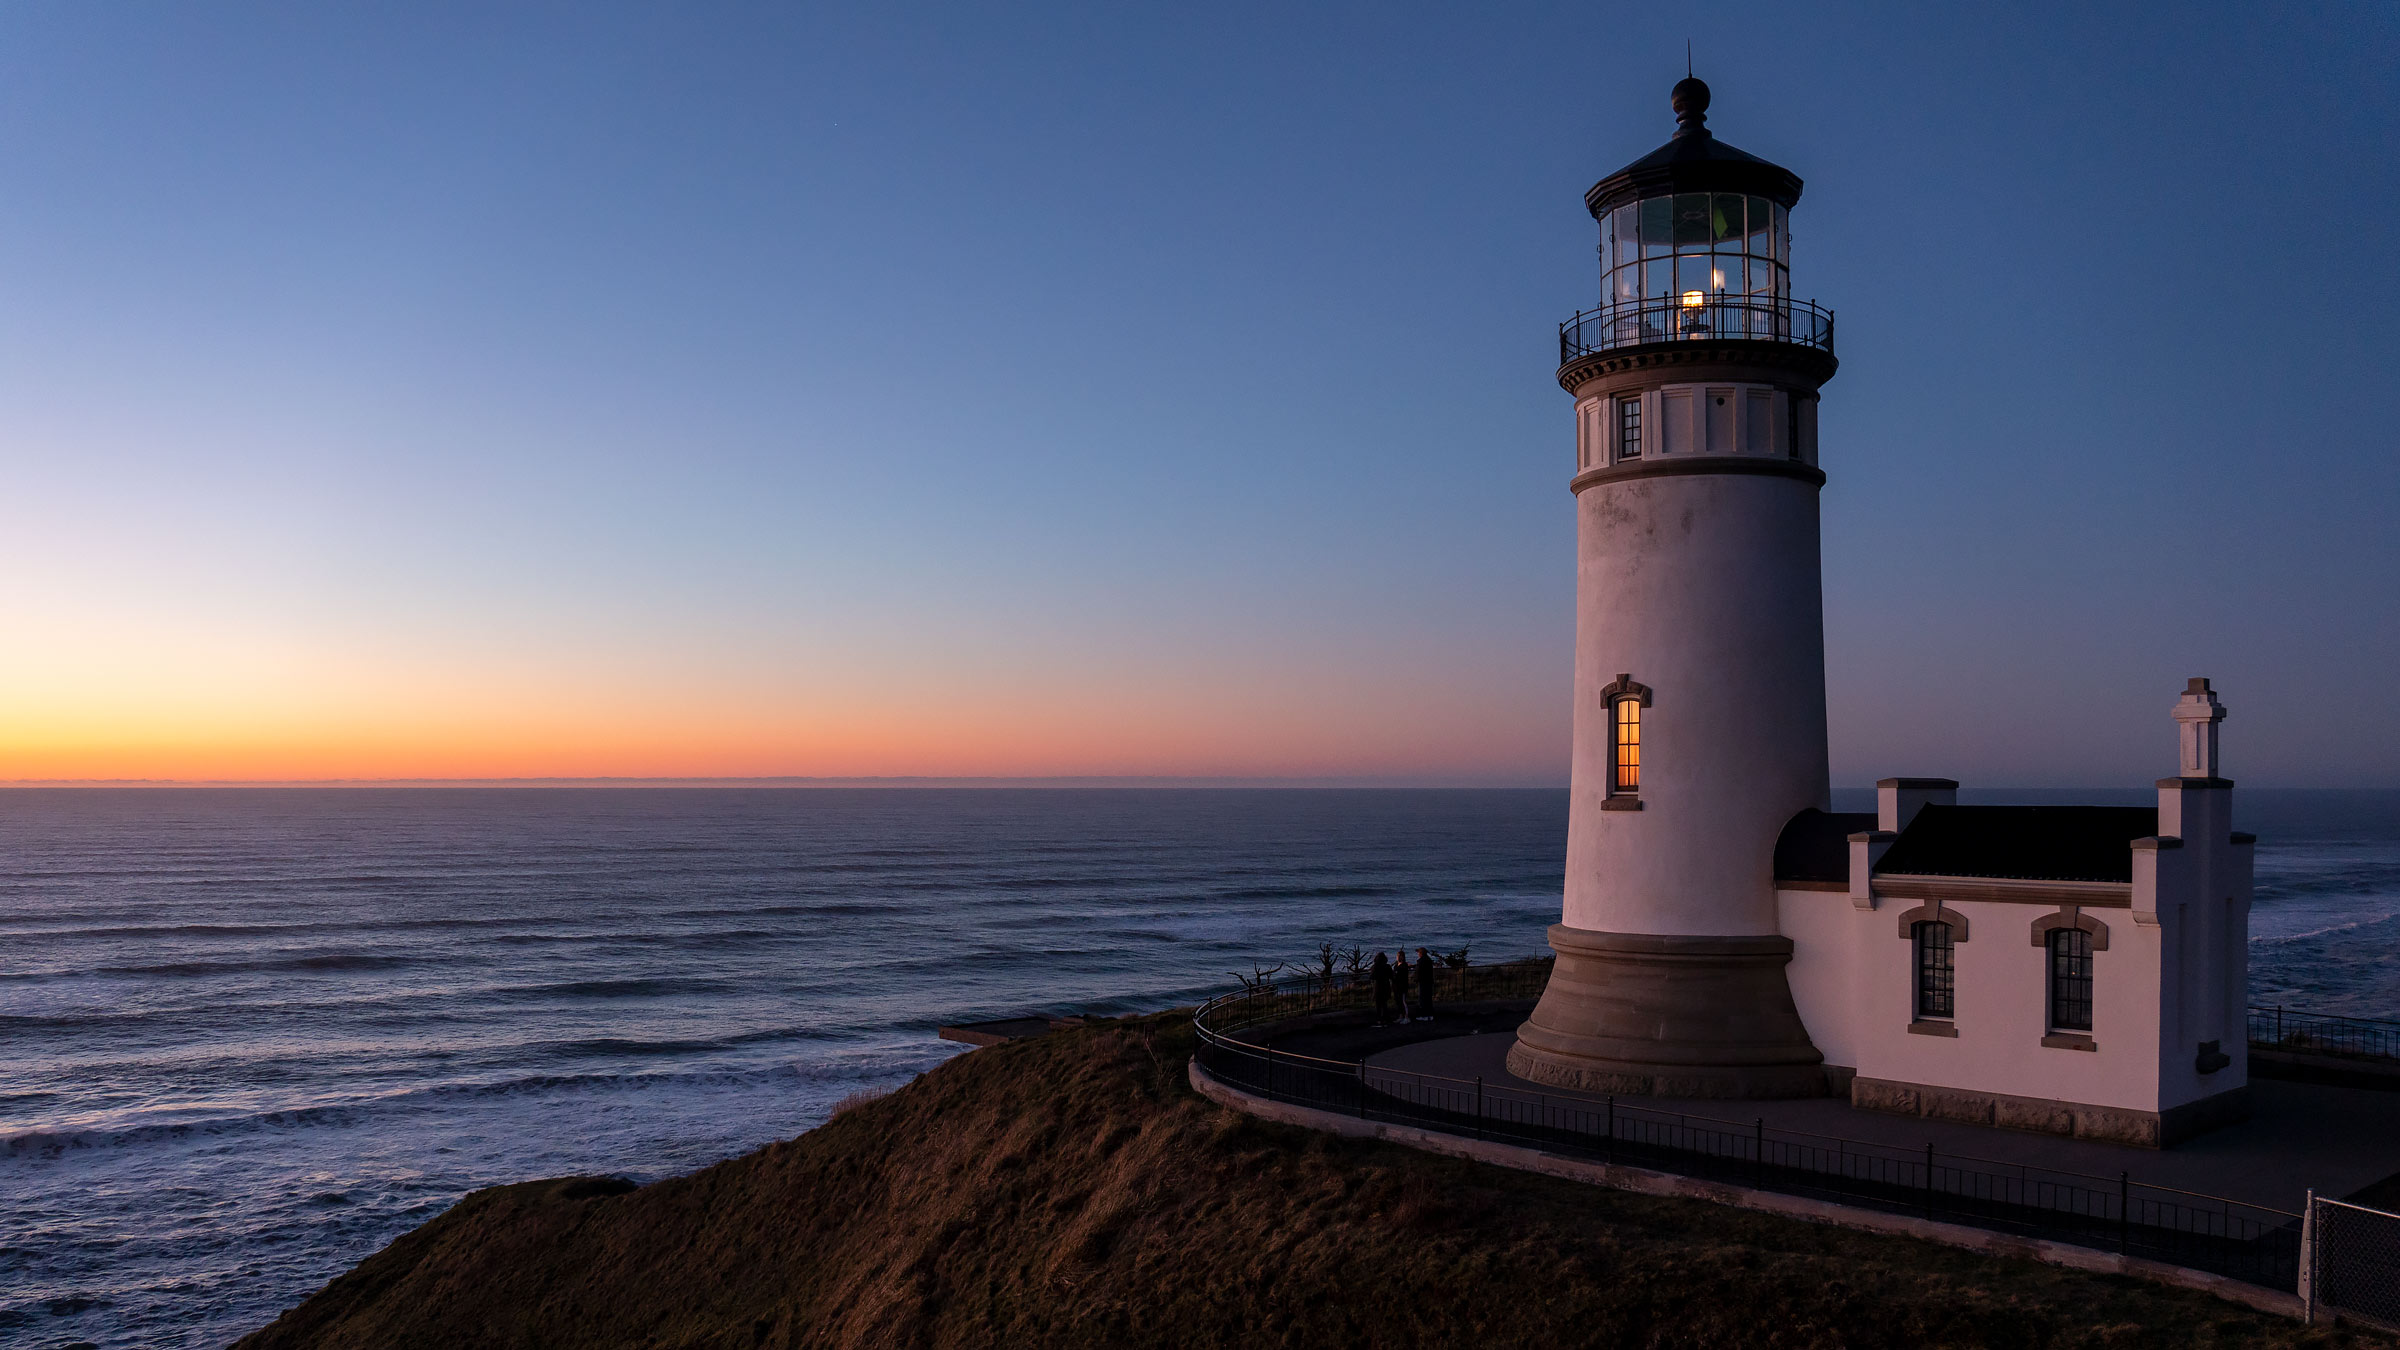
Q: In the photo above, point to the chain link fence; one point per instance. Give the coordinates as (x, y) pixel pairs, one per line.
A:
(2350, 1263)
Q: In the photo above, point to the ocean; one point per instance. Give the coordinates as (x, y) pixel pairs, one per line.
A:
(249, 1036)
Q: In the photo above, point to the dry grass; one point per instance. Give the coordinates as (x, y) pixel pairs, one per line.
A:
(858, 1099)
(1072, 1191)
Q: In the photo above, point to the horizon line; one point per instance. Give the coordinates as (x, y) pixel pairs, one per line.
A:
(1028, 781)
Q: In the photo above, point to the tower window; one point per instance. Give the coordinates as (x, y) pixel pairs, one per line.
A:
(2070, 980)
(1629, 428)
(1936, 978)
(1791, 425)
(1627, 778)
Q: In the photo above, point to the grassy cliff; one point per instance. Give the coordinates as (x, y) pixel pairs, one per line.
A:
(1073, 1191)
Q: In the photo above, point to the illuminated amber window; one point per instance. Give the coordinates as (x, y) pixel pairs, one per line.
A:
(1936, 977)
(1628, 777)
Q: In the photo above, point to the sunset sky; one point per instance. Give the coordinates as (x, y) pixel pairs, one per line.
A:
(439, 391)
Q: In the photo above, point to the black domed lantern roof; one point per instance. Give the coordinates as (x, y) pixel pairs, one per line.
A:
(1694, 161)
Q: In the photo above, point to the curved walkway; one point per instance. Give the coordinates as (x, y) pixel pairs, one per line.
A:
(2301, 1136)
(1645, 1181)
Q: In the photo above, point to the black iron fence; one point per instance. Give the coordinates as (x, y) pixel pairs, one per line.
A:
(2278, 1028)
(2246, 1242)
(1693, 317)
(2352, 1254)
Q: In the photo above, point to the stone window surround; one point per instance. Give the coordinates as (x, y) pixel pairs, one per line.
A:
(2068, 916)
(1931, 912)
(1621, 688)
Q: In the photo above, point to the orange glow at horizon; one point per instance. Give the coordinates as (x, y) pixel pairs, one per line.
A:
(416, 725)
(147, 684)
(1024, 742)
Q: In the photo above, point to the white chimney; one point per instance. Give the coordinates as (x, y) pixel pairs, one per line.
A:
(2196, 716)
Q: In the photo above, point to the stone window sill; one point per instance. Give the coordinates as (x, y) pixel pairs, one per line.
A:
(2068, 1040)
(1620, 803)
(1933, 1029)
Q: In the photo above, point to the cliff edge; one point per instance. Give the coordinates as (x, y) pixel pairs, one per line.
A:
(1073, 1191)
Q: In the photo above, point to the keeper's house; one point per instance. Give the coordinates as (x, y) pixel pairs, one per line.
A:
(2075, 969)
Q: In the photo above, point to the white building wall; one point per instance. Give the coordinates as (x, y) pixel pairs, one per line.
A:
(2196, 897)
(1824, 972)
(1683, 420)
(1705, 588)
(1854, 980)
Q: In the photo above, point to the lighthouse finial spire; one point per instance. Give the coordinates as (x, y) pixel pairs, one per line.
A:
(1689, 98)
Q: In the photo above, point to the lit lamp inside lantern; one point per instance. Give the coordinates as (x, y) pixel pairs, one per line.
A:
(1694, 299)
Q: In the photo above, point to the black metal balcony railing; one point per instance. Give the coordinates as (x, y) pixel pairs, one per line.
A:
(2277, 1028)
(1697, 318)
(2247, 1242)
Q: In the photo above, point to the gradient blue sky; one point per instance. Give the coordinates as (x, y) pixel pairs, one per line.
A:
(448, 390)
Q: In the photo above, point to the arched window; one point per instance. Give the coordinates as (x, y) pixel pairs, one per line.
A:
(1625, 701)
(2070, 980)
(1936, 977)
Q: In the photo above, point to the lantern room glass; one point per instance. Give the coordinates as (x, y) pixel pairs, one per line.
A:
(1699, 263)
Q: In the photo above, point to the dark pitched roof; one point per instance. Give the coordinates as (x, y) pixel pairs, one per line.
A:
(1694, 161)
(2026, 843)
(1815, 845)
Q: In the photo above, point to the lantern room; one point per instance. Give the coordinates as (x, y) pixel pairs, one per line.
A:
(1695, 244)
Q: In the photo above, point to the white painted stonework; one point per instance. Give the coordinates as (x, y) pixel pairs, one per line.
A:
(1687, 420)
(2173, 976)
(1675, 592)
(1722, 933)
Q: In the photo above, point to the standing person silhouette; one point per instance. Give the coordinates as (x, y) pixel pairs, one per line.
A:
(1424, 985)
(1383, 989)
(1399, 979)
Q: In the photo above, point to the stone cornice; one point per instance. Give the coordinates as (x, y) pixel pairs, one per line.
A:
(2006, 890)
(1683, 464)
(1813, 365)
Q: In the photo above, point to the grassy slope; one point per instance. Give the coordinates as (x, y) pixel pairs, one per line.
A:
(1073, 1191)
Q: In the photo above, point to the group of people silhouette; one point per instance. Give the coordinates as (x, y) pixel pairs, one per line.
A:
(1392, 985)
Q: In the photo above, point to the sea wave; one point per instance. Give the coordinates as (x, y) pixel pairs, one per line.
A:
(323, 961)
(361, 1111)
(2346, 926)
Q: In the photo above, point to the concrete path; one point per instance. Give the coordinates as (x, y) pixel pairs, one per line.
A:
(2336, 1140)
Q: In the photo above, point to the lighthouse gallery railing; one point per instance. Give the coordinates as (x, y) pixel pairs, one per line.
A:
(1695, 317)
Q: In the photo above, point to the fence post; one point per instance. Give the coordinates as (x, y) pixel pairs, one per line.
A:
(1612, 1129)
(2308, 1261)
(2279, 1024)
(2124, 1209)
(1479, 1106)
(1758, 1155)
(1928, 1200)
(1270, 1071)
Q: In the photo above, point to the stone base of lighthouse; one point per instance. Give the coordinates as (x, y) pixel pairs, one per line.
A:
(1638, 1014)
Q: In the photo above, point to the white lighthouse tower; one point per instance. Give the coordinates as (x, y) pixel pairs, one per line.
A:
(1700, 647)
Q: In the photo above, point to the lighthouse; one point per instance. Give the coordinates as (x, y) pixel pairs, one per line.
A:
(1700, 645)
